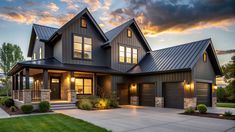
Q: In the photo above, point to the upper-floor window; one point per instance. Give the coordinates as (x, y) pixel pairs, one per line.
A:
(34, 56)
(83, 22)
(128, 55)
(121, 54)
(204, 57)
(82, 47)
(129, 33)
(40, 53)
(134, 56)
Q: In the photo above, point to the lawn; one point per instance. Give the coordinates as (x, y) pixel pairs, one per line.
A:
(229, 105)
(47, 123)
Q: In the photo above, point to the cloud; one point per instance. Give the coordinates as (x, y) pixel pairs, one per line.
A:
(156, 16)
(222, 52)
(53, 7)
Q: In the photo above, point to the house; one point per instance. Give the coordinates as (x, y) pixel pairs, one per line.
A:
(79, 59)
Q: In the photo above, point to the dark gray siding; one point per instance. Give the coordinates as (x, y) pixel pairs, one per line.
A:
(122, 39)
(36, 48)
(99, 54)
(57, 53)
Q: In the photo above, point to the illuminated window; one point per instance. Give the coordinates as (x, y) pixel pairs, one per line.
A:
(34, 56)
(205, 57)
(40, 53)
(55, 80)
(82, 47)
(134, 56)
(83, 85)
(121, 54)
(128, 55)
(129, 33)
(83, 23)
(77, 46)
(87, 48)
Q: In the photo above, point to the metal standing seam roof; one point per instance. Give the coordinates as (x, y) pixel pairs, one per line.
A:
(173, 58)
(44, 32)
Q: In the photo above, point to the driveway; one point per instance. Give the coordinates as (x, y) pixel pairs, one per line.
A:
(150, 119)
(3, 114)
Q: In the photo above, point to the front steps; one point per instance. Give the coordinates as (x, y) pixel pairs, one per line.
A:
(63, 106)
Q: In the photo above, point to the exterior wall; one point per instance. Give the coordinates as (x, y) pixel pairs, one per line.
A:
(65, 85)
(57, 51)
(122, 39)
(98, 53)
(36, 48)
(104, 85)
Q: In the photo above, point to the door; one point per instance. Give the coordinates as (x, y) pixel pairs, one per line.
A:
(123, 94)
(203, 93)
(173, 95)
(147, 94)
(55, 88)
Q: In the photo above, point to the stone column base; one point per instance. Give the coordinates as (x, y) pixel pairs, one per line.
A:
(72, 96)
(27, 96)
(134, 100)
(45, 94)
(214, 101)
(190, 102)
(159, 102)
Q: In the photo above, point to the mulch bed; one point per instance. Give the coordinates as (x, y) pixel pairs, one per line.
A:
(211, 115)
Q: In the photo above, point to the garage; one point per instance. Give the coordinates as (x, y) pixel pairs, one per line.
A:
(147, 94)
(203, 93)
(123, 94)
(173, 95)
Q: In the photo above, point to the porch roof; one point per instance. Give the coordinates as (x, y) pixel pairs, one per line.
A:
(54, 64)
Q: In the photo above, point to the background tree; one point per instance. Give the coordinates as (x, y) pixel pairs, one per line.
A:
(10, 54)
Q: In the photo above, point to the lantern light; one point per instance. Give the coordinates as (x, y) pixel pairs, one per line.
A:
(72, 79)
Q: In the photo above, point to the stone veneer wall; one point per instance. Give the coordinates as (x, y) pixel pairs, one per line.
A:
(45, 94)
(159, 102)
(214, 101)
(134, 100)
(72, 96)
(190, 102)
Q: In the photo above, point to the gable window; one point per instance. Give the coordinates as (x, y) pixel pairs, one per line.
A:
(83, 23)
(204, 57)
(83, 85)
(134, 56)
(129, 33)
(128, 55)
(82, 47)
(121, 54)
(40, 53)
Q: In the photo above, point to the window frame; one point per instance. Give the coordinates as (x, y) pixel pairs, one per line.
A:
(83, 78)
(132, 54)
(40, 53)
(34, 56)
(81, 25)
(124, 54)
(129, 30)
(205, 57)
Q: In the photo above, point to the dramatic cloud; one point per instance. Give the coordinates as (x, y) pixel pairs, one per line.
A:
(53, 7)
(222, 52)
(155, 16)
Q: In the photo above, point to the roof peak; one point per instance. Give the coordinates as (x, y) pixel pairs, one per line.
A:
(44, 26)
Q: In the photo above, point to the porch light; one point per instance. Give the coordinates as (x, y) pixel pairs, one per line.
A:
(215, 87)
(133, 86)
(72, 79)
(187, 85)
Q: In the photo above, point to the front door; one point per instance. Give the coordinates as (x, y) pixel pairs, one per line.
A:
(55, 88)
(123, 94)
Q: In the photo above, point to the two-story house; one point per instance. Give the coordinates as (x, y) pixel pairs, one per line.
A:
(79, 59)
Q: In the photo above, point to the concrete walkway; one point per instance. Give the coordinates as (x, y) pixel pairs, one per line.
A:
(221, 110)
(3, 114)
(150, 119)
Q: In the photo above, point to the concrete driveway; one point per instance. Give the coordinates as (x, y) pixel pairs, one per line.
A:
(149, 119)
(3, 114)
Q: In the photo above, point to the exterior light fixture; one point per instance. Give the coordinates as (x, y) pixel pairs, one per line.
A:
(72, 79)
(187, 85)
(215, 87)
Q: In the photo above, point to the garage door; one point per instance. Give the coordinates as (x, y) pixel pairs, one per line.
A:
(173, 95)
(123, 94)
(147, 94)
(203, 93)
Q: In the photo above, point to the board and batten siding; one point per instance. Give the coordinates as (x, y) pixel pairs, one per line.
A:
(98, 54)
(38, 44)
(58, 50)
(132, 42)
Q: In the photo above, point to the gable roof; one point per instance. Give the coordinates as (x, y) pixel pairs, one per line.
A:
(177, 58)
(44, 32)
(112, 34)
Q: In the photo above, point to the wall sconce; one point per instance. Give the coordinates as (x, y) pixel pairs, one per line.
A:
(133, 86)
(215, 87)
(187, 85)
(72, 79)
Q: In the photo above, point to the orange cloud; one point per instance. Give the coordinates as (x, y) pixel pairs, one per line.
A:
(53, 7)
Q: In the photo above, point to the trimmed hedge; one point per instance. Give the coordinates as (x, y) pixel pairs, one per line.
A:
(44, 106)
(9, 102)
(27, 109)
(202, 108)
(84, 104)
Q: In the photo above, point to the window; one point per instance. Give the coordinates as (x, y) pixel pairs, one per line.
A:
(83, 85)
(87, 48)
(82, 47)
(55, 80)
(77, 49)
(40, 53)
(134, 56)
(205, 57)
(34, 56)
(129, 33)
(121, 54)
(83, 23)
(128, 55)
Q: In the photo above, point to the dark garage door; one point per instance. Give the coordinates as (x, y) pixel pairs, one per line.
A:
(147, 94)
(173, 95)
(203, 93)
(123, 94)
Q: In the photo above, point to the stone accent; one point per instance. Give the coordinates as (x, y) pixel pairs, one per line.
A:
(190, 102)
(45, 94)
(26, 96)
(159, 102)
(214, 101)
(72, 96)
(134, 100)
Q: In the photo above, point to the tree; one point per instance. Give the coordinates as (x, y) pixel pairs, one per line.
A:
(10, 54)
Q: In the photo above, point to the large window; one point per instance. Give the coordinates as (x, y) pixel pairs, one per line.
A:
(121, 54)
(82, 47)
(128, 55)
(83, 85)
(134, 56)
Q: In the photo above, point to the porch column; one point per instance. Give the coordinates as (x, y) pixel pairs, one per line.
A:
(21, 86)
(45, 91)
(13, 87)
(16, 86)
(26, 91)
(72, 97)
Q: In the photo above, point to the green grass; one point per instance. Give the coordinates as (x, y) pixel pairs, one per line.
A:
(229, 105)
(47, 123)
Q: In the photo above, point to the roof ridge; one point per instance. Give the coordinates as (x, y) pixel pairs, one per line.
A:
(45, 26)
(119, 25)
(183, 44)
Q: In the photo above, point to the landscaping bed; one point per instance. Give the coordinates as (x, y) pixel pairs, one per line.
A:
(211, 115)
(228, 105)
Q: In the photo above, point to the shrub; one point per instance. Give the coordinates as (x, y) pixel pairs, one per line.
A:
(84, 104)
(9, 102)
(103, 104)
(202, 108)
(94, 100)
(3, 100)
(13, 108)
(113, 103)
(228, 113)
(44, 106)
(27, 109)
(189, 110)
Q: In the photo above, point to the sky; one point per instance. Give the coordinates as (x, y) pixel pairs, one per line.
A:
(164, 23)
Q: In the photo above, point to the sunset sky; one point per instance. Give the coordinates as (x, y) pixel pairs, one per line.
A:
(165, 23)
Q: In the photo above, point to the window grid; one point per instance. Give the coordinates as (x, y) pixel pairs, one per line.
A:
(82, 47)
(83, 85)
(128, 55)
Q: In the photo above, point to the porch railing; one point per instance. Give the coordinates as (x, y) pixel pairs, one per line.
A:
(35, 95)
